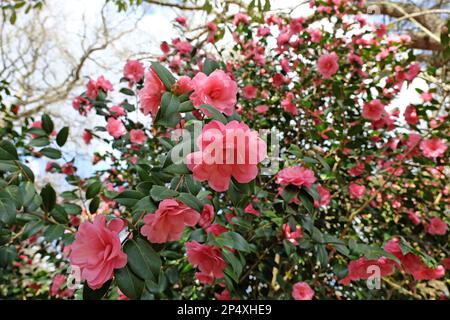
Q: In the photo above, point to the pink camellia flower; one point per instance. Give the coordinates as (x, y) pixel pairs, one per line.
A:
(168, 222)
(216, 229)
(436, 226)
(97, 250)
(446, 263)
(288, 105)
(414, 217)
(413, 71)
(356, 191)
(292, 236)
(325, 197)
(413, 264)
(262, 108)
(251, 210)
(87, 136)
(231, 150)
(138, 136)
(116, 128)
(181, 20)
(361, 269)
(93, 87)
(373, 110)
(316, 35)
(164, 46)
(133, 71)
(212, 27)
(217, 90)
(297, 176)
(302, 291)
(241, 18)
(208, 259)
(204, 278)
(250, 92)
(426, 96)
(224, 296)
(117, 111)
(151, 94)
(57, 283)
(411, 115)
(328, 65)
(183, 85)
(183, 47)
(433, 148)
(68, 169)
(207, 216)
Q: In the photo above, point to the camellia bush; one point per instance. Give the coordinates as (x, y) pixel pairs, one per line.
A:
(277, 167)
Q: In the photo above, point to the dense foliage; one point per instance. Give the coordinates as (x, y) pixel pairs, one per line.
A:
(335, 183)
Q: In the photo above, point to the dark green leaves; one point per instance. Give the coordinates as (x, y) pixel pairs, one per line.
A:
(93, 189)
(209, 66)
(129, 283)
(129, 198)
(166, 77)
(8, 151)
(90, 294)
(62, 136)
(191, 201)
(168, 114)
(47, 123)
(233, 240)
(48, 196)
(51, 153)
(142, 259)
(54, 232)
(7, 255)
(159, 193)
(7, 211)
(214, 113)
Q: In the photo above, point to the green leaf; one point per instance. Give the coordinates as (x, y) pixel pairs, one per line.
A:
(129, 198)
(48, 196)
(26, 172)
(8, 151)
(214, 113)
(234, 240)
(51, 153)
(168, 114)
(234, 262)
(7, 211)
(94, 204)
(159, 193)
(93, 189)
(40, 142)
(191, 201)
(8, 166)
(186, 106)
(142, 259)
(127, 91)
(90, 294)
(129, 283)
(321, 254)
(166, 77)
(59, 214)
(28, 192)
(72, 208)
(54, 232)
(7, 256)
(47, 123)
(62, 136)
(209, 66)
(289, 193)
